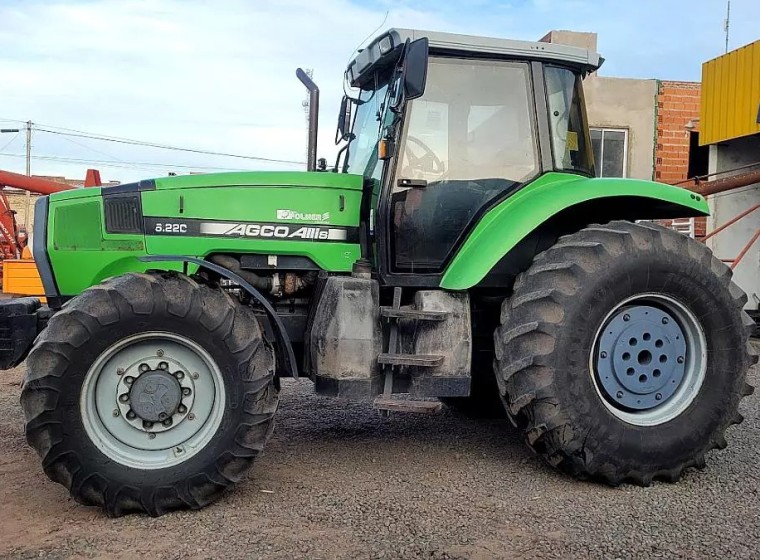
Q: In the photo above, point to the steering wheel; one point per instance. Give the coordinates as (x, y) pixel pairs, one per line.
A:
(428, 162)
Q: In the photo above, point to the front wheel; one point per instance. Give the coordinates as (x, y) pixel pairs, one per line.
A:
(149, 393)
(623, 352)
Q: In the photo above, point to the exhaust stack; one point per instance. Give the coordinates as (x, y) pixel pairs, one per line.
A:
(311, 160)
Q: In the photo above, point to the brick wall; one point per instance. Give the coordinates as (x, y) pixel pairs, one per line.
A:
(677, 104)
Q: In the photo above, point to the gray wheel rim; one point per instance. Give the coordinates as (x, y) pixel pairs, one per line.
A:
(186, 392)
(649, 359)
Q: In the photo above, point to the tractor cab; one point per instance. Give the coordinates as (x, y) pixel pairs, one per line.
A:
(443, 127)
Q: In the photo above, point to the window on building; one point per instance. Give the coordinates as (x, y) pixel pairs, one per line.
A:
(610, 147)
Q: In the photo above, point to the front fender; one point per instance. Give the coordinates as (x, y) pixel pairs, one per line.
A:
(506, 224)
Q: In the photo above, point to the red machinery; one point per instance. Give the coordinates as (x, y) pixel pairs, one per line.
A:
(12, 242)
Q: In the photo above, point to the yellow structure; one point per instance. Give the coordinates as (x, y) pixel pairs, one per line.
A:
(731, 95)
(20, 277)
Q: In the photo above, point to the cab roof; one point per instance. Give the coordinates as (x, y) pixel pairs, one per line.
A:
(440, 43)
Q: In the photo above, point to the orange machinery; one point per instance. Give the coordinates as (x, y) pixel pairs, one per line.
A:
(19, 274)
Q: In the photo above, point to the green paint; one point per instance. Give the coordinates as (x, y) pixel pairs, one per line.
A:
(83, 254)
(505, 225)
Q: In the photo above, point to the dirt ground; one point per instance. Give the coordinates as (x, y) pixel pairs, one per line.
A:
(339, 481)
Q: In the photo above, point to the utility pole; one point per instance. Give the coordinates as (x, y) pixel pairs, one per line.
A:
(728, 21)
(28, 174)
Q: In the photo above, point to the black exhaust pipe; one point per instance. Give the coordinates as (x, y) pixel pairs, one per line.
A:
(311, 158)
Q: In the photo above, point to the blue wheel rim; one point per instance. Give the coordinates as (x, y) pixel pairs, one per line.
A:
(649, 359)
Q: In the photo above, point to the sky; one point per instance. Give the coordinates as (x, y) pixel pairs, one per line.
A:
(220, 76)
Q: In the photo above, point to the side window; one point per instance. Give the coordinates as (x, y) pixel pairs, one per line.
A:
(610, 147)
(567, 120)
(467, 141)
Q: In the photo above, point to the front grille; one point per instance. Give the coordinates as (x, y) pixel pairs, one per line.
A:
(123, 214)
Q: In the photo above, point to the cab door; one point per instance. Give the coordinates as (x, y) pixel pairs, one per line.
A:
(465, 144)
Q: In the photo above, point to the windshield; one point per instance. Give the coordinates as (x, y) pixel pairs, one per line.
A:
(362, 148)
(567, 119)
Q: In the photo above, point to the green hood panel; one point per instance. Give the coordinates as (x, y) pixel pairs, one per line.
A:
(263, 179)
(505, 225)
(315, 215)
(237, 179)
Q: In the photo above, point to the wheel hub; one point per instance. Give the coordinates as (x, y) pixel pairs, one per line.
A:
(155, 396)
(641, 357)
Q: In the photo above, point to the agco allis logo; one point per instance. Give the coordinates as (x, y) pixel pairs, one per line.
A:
(292, 215)
(282, 232)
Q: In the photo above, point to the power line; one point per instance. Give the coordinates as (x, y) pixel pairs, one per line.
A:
(10, 141)
(124, 165)
(51, 129)
(130, 141)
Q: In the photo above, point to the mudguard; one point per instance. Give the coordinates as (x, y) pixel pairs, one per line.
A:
(505, 225)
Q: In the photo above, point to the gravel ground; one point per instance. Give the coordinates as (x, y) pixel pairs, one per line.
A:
(339, 481)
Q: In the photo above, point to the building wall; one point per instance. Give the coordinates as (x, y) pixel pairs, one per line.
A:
(628, 104)
(678, 105)
(725, 206)
(18, 201)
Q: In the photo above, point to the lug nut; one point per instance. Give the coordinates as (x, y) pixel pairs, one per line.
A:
(620, 394)
(143, 368)
(147, 425)
(182, 409)
(186, 391)
(658, 396)
(626, 317)
(131, 415)
(163, 365)
(129, 380)
(168, 422)
(159, 352)
(179, 374)
(124, 397)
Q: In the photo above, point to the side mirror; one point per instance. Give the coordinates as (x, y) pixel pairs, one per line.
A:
(344, 119)
(415, 68)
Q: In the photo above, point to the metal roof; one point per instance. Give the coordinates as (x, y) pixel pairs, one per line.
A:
(588, 60)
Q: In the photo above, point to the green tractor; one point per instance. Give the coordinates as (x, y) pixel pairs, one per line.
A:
(460, 249)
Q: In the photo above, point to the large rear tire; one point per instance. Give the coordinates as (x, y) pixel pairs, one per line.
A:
(623, 352)
(149, 393)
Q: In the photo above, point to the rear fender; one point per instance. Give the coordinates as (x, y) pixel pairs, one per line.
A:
(581, 200)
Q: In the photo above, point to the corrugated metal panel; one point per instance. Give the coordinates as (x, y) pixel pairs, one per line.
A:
(731, 95)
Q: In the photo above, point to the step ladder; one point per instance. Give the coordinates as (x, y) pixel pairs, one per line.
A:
(683, 225)
(393, 359)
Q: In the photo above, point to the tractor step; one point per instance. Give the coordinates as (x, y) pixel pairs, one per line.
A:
(411, 313)
(420, 360)
(387, 404)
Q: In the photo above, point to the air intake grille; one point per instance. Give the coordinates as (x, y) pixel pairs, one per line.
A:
(123, 214)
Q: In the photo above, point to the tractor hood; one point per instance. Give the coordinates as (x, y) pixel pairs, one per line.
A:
(238, 179)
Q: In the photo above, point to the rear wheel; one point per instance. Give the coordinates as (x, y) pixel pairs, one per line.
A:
(149, 393)
(623, 352)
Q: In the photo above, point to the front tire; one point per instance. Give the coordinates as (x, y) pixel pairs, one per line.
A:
(149, 393)
(623, 352)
